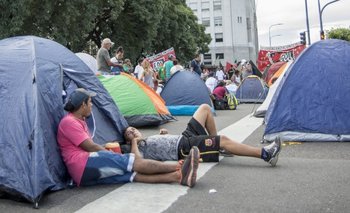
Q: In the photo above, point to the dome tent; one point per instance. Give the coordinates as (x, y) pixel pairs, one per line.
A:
(185, 92)
(312, 101)
(89, 60)
(140, 105)
(251, 90)
(36, 75)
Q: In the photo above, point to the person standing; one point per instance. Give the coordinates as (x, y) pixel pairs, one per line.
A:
(118, 59)
(195, 65)
(167, 67)
(148, 74)
(220, 75)
(104, 62)
(176, 67)
(139, 69)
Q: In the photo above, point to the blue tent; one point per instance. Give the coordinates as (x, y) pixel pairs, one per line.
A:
(184, 93)
(312, 101)
(36, 75)
(251, 90)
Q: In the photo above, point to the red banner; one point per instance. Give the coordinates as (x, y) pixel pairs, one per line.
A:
(267, 56)
(159, 59)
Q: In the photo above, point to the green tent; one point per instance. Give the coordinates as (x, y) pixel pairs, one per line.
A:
(139, 104)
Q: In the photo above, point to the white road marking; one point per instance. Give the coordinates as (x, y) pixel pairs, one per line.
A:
(140, 197)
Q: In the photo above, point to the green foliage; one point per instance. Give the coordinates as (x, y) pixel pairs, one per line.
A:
(339, 33)
(140, 26)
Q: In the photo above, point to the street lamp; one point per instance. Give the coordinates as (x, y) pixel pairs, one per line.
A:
(274, 36)
(270, 30)
(320, 11)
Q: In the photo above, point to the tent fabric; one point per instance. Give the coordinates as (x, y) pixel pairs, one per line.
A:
(36, 75)
(140, 104)
(185, 92)
(277, 74)
(272, 70)
(89, 60)
(260, 112)
(251, 90)
(312, 101)
(255, 69)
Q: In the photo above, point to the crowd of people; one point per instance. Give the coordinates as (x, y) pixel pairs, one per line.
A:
(156, 78)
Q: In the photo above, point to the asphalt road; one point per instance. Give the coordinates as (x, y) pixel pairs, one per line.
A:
(309, 177)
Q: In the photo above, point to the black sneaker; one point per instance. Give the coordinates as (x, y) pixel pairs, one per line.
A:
(273, 151)
(189, 168)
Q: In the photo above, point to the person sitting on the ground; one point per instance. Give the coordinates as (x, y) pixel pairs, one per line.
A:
(211, 82)
(201, 132)
(89, 163)
(220, 90)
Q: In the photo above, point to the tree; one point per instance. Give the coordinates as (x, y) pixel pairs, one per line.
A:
(140, 26)
(136, 27)
(66, 22)
(179, 29)
(339, 33)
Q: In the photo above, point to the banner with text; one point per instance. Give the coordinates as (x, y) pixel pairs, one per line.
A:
(270, 55)
(159, 59)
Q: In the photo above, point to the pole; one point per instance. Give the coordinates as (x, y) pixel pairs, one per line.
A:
(270, 31)
(307, 23)
(320, 11)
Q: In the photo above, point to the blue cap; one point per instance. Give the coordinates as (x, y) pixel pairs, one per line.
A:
(78, 96)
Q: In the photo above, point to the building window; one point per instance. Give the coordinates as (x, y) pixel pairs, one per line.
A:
(219, 37)
(193, 6)
(205, 6)
(207, 62)
(206, 22)
(219, 56)
(217, 4)
(239, 19)
(218, 21)
(207, 56)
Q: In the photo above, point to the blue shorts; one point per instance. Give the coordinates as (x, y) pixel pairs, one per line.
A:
(106, 167)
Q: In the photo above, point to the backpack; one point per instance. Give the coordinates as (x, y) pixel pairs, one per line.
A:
(220, 104)
(231, 101)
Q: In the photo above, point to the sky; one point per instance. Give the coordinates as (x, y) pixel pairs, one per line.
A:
(292, 15)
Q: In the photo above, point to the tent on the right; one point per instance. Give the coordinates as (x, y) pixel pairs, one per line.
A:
(312, 100)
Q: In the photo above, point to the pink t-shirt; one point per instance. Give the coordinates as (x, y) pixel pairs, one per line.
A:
(219, 92)
(71, 133)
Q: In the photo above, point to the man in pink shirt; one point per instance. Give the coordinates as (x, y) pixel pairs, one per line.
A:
(89, 163)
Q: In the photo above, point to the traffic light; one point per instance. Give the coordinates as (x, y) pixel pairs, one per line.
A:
(302, 38)
(322, 35)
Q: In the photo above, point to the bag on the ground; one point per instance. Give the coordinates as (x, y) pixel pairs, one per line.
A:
(228, 102)
(220, 104)
(231, 101)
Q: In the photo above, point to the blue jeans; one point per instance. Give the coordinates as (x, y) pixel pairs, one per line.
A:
(106, 167)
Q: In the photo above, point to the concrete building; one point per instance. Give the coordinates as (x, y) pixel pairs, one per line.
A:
(232, 26)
